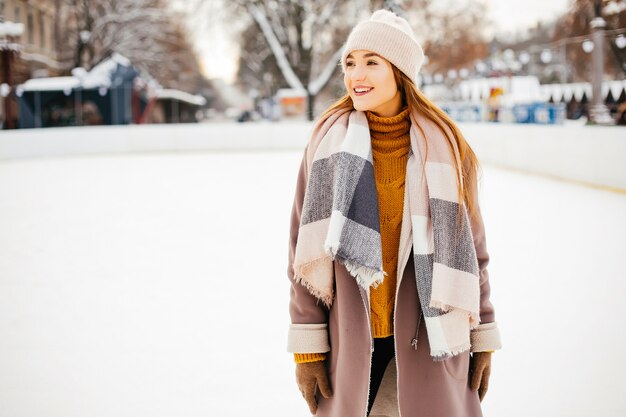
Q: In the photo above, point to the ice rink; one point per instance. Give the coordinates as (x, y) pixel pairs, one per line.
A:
(155, 285)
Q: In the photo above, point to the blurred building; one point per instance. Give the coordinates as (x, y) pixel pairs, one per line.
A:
(29, 52)
(38, 52)
(175, 106)
(509, 98)
(105, 95)
(114, 92)
(292, 102)
(578, 96)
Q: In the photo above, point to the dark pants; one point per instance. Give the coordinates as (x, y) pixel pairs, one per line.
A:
(383, 353)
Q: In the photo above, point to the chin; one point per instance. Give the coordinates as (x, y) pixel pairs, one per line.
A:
(360, 106)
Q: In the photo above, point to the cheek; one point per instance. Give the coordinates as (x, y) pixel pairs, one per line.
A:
(392, 88)
(386, 88)
(390, 85)
(389, 80)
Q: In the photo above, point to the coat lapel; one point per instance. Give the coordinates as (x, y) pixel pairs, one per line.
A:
(406, 237)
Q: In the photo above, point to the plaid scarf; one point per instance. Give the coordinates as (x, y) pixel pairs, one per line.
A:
(340, 222)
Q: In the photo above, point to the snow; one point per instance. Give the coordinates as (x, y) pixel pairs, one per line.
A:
(290, 93)
(12, 29)
(99, 76)
(181, 96)
(51, 84)
(155, 284)
(281, 59)
(270, 32)
(108, 26)
(316, 85)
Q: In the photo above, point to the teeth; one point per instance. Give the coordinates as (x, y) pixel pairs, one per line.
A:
(362, 90)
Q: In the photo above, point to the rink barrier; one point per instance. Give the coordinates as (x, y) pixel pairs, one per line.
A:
(592, 155)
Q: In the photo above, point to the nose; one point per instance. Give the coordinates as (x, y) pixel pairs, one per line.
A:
(357, 73)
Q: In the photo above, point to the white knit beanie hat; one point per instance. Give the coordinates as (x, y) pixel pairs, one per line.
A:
(391, 37)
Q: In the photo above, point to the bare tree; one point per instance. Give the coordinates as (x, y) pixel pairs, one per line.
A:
(299, 42)
(97, 28)
(576, 22)
(146, 32)
(451, 31)
(305, 38)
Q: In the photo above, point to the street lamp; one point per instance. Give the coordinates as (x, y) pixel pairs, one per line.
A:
(598, 111)
(8, 30)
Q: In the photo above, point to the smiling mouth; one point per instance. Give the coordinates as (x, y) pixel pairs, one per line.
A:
(362, 91)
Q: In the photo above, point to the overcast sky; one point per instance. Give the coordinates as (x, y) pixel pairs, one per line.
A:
(515, 14)
(219, 54)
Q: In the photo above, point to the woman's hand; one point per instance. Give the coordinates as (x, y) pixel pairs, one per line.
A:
(309, 375)
(480, 369)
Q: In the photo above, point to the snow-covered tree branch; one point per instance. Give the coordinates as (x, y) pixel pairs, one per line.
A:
(146, 32)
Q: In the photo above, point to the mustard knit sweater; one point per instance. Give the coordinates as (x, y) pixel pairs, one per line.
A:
(390, 151)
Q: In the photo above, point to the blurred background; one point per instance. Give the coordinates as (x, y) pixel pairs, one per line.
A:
(148, 159)
(77, 63)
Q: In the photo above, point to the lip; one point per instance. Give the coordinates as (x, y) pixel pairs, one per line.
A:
(363, 93)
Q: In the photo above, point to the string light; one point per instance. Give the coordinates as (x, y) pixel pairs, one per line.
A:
(524, 57)
(588, 46)
(546, 56)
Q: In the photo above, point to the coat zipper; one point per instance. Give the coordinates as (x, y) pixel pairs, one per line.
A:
(363, 293)
(417, 328)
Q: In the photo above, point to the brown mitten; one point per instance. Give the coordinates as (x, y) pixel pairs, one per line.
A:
(308, 376)
(480, 369)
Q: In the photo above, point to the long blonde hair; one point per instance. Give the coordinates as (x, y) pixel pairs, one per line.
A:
(416, 100)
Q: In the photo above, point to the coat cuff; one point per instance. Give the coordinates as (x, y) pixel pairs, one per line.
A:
(485, 337)
(308, 338)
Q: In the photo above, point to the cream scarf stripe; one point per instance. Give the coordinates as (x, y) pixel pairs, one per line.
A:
(446, 266)
(340, 222)
(331, 227)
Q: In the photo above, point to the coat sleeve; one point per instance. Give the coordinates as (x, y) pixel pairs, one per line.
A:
(486, 336)
(308, 332)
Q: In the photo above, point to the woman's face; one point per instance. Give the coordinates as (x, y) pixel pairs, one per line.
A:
(370, 82)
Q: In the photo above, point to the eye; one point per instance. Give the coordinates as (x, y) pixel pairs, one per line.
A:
(349, 64)
(372, 62)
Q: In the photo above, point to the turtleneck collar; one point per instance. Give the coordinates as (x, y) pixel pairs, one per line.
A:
(389, 127)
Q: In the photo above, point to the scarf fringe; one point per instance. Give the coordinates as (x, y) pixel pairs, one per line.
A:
(301, 271)
(443, 355)
(365, 276)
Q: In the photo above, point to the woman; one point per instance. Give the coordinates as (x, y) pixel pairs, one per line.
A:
(387, 261)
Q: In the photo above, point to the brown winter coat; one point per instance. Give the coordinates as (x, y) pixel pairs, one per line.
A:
(424, 388)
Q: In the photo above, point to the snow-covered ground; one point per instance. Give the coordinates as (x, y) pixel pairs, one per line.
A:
(155, 285)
